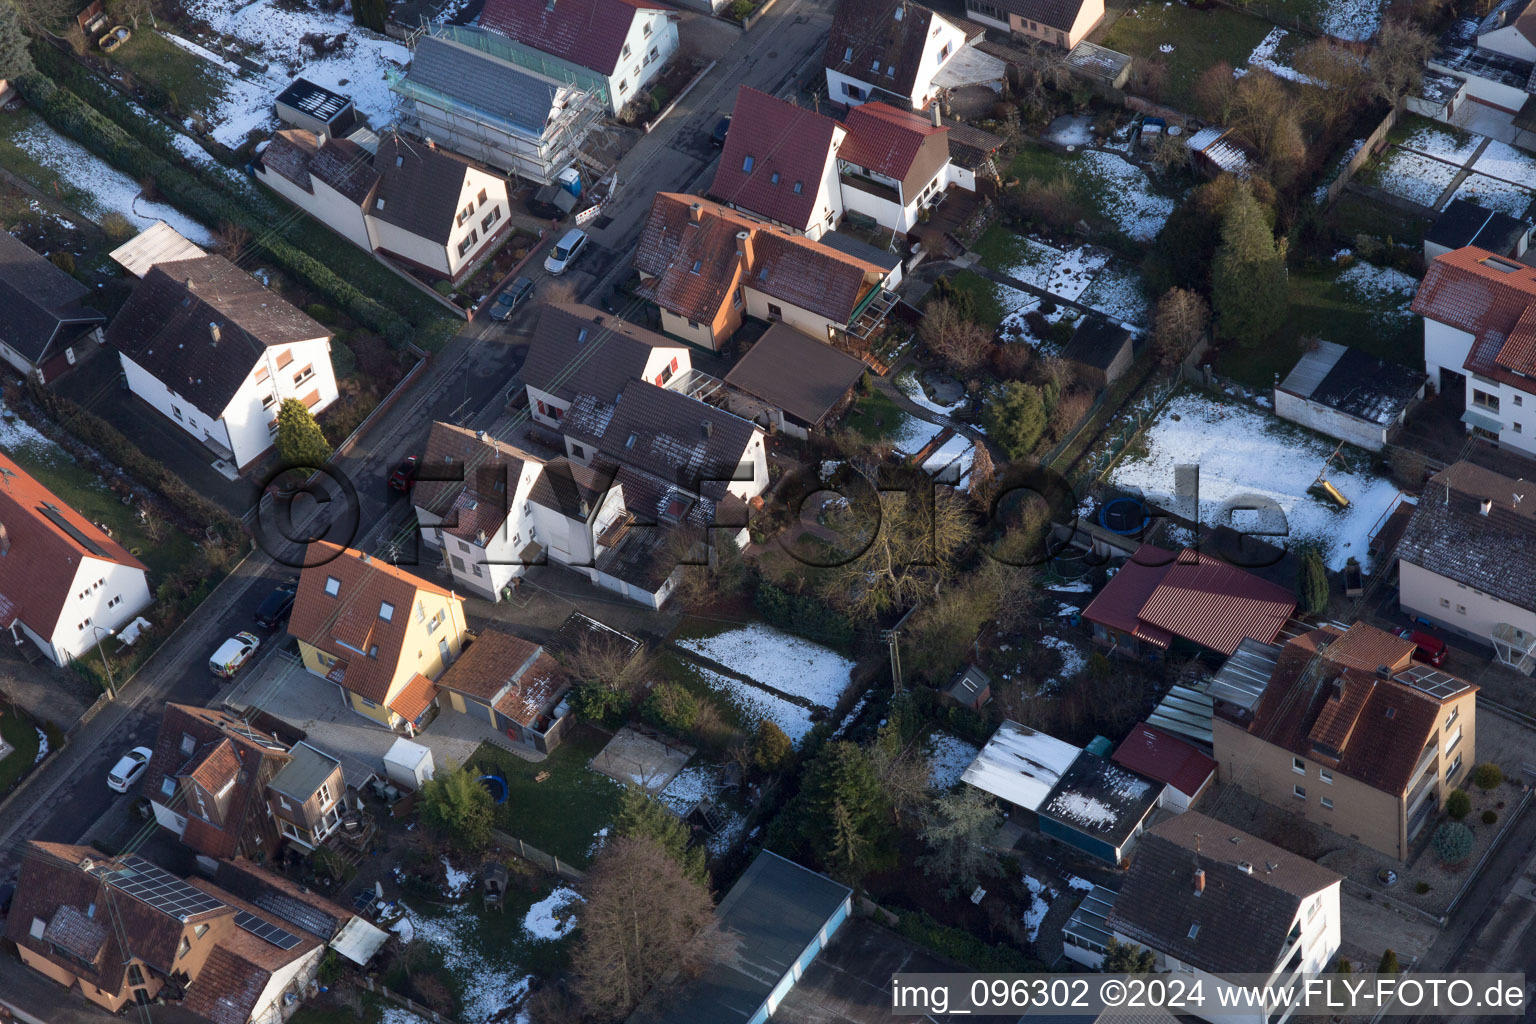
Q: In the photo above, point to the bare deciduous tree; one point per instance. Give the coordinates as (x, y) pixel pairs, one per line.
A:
(962, 344)
(1214, 92)
(641, 921)
(1397, 62)
(1264, 116)
(607, 660)
(1042, 68)
(1341, 75)
(1182, 318)
(136, 9)
(913, 538)
(233, 240)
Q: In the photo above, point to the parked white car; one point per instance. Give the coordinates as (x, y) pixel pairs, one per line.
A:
(128, 769)
(572, 245)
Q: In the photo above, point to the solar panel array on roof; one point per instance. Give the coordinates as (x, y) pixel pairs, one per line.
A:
(298, 913)
(315, 100)
(51, 512)
(160, 889)
(266, 931)
(1428, 680)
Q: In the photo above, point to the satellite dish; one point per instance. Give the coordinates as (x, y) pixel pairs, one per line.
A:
(1175, 129)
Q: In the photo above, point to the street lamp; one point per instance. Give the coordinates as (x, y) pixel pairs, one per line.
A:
(98, 630)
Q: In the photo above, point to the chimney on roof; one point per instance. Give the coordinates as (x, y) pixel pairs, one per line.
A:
(480, 537)
(479, 435)
(696, 212)
(5, 539)
(744, 247)
(1485, 506)
(191, 287)
(586, 509)
(709, 428)
(938, 121)
(363, 556)
(213, 331)
(1199, 881)
(1245, 867)
(1383, 672)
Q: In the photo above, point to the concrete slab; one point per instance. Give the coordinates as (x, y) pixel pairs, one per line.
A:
(644, 758)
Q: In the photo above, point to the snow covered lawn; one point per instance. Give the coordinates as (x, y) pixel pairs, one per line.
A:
(490, 984)
(1442, 142)
(1117, 293)
(1385, 289)
(1496, 194)
(1269, 56)
(787, 663)
(554, 916)
(1065, 273)
(1244, 455)
(757, 704)
(948, 758)
(1040, 897)
(1507, 163)
(110, 190)
(1124, 194)
(910, 386)
(1412, 176)
(1355, 20)
(914, 434)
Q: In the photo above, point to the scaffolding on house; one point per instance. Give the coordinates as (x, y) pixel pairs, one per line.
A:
(493, 44)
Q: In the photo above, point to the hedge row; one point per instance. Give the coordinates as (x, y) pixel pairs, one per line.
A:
(127, 456)
(805, 616)
(961, 945)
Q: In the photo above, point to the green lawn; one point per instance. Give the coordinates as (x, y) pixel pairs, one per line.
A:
(1199, 38)
(20, 733)
(562, 814)
(984, 296)
(876, 415)
(190, 81)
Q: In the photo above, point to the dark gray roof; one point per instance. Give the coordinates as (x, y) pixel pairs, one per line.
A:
(669, 435)
(1372, 389)
(1054, 13)
(164, 327)
(1449, 536)
(483, 83)
(330, 108)
(970, 682)
(1101, 799)
(775, 910)
(419, 187)
(1097, 341)
(562, 486)
(800, 375)
(577, 349)
(275, 894)
(302, 775)
(1465, 223)
(38, 301)
(883, 258)
(1244, 914)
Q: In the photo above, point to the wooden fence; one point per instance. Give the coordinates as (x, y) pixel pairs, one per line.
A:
(1372, 142)
(534, 855)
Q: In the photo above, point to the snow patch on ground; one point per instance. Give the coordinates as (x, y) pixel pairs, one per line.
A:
(110, 190)
(1243, 455)
(914, 434)
(1040, 897)
(1442, 142)
(42, 746)
(1071, 131)
(1355, 20)
(599, 840)
(1414, 177)
(728, 835)
(1263, 56)
(910, 386)
(554, 916)
(1125, 195)
(1495, 194)
(1065, 273)
(489, 987)
(1376, 283)
(455, 882)
(689, 787)
(785, 662)
(757, 704)
(1072, 660)
(1507, 163)
(1079, 884)
(948, 758)
(851, 717)
(1117, 293)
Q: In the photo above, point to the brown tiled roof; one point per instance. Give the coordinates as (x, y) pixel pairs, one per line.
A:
(576, 348)
(488, 472)
(240, 966)
(340, 163)
(1160, 755)
(216, 767)
(564, 485)
(1450, 536)
(1253, 891)
(894, 143)
(870, 29)
(676, 238)
(49, 879)
(164, 327)
(494, 660)
(1487, 296)
(352, 616)
(1059, 14)
(796, 373)
(789, 148)
(589, 33)
(679, 439)
(415, 698)
(540, 686)
(47, 541)
(1362, 646)
(74, 932)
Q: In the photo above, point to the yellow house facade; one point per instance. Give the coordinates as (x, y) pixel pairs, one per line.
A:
(379, 633)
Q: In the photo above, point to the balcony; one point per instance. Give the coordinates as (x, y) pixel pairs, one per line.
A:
(870, 186)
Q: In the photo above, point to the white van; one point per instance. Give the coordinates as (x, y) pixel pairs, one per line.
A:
(233, 653)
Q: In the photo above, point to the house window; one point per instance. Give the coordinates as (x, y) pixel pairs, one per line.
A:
(481, 198)
(736, 299)
(625, 51)
(649, 57)
(697, 265)
(694, 324)
(747, 162)
(875, 67)
(1299, 792)
(176, 412)
(623, 88)
(1450, 773)
(367, 703)
(324, 793)
(1451, 718)
(1327, 804)
(852, 91)
(1298, 766)
(1518, 400)
(944, 53)
(1324, 775)
(646, 30)
(266, 403)
(386, 611)
(421, 611)
(458, 563)
(490, 218)
(578, 452)
(442, 649)
(184, 948)
(1484, 400)
(167, 786)
(1461, 609)
(468, 242)
(774, 312)
(304, 374)
(1515, 427)
(476, 569)
(135, 975)
(373, 650)
(332, 585)
(1452, 740)
(200, 930)
(1445, 602)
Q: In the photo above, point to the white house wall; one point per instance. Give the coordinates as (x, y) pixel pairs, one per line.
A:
(486, 569)
(71, 636)
(941, 34)
(889, 215)
(632, 73)
(1330, 421)
(445, 258)
(803, 320)
(697, 333)
(1444, 346)
(1447, 347)
(1456, 606)
(295, 977)
(1508, 40)
(1495, 94)
(325, 204)
(536, 396)
(246, 421)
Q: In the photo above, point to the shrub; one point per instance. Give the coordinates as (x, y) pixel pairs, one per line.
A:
(1421, 888)
(1487, 776)
(671, 707)
(961, 945)
(116, 227)
(771, 749)
(740, 9)
(1458, 804)
(1016, 417)
(456, 807)
(64, 260)
(300, 441)
(1389, 964)
(321, 312)
(1489, 817)
(598, 703)
(804, 615)
(1452, 842)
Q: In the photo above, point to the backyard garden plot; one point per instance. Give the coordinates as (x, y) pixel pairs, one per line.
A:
(787, 663)
(1015, 326)
(908, 383)
(1065, 273)
(480, 956)
(1274, 54)
(1440, 141)
(1412, 176)
(948, 758)
(1198, 39)
(1123, 193)
(1244, 456)
(1506, 163)
(1386, 290)
(912, 435)
(1355, 20)
(103, 189)
(1496, 194)
(756, 704)
(1117, 293)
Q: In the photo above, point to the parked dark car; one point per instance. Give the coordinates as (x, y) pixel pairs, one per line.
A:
(404, 476)
(274, 608)
(511, 297)
(722, 128)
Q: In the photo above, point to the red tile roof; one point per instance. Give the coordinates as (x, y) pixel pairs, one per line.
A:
(1193, 596)
(417, 696)
(1489, 297)
(535, 692)
(789, 148)
(589, 33)
(491, 662)
(351, 617)
(887, 140)
(44, 543)
(1160, 755)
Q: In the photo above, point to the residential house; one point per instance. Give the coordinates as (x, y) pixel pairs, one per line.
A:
(1099, 807)
(892, 52)
(513, 686)
(1021, 766)
(45, 327)
(123, 930)
(410, 201)
(1101, 350)
(1063, 23)
(206, 781)
(1463, 223)
(791, 383)
(1155, 754)
(804, 171)
(1479, 314)
(1159, 597)
(470, 93)
(706, 267)
(215, 352)
(1349, 394)
(302, 908)
(624, 42)
(1210, 902)
(313, 108)
(576, 349)
(1480, 75)
(304, 798)
(1467, 560)
(1352, 734)
(380, 634)
(65, 585)
(780, 916)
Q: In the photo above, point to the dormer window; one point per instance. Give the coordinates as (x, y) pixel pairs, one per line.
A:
(167, 786)
(386, 611)
(898, 13)
(799, 187)
(697, 264)
(332, 585)
(875, 67)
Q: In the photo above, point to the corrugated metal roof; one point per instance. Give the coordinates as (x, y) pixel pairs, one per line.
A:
(1186, 711)
(1311, 368)
(158, 243)
(1021, 765)
(358, 941)
(1246, 673)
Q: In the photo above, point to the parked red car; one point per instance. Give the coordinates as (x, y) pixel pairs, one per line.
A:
(1428, 649)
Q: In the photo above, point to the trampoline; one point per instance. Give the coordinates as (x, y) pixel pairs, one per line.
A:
(1124, 516)
(496, 786)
